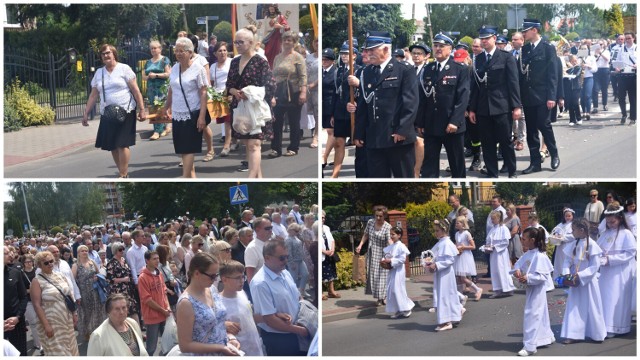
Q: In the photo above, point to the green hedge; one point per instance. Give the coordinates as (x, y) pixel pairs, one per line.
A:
(345, 271)
(28, 112)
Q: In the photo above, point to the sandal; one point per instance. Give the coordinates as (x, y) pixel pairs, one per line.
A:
(209, 156)
(334, 295)
(225, 152)
(324, 297)
(125, 176)
(314, 144)
(290, 153)
(164, 133)
(274, 154)
(155, 136)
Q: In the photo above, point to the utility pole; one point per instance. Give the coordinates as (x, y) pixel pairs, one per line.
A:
(24, 197)
(183, 9)
(429, 23)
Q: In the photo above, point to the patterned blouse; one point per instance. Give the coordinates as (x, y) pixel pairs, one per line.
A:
(290, 67)
(209, 326)
(256, 72)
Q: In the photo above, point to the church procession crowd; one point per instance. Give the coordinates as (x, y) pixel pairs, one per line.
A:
(178, 288)
(483, 103)
(594, 259)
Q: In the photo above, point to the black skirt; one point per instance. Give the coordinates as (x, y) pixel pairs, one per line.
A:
(113, 135)
(186, 137)
(329, 272)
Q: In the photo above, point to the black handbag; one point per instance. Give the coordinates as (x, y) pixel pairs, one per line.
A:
(113, 113)
(68, 300)
(195, 114)
(173, 299)
(335, 257)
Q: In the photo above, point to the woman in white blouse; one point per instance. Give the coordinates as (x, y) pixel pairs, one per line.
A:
(219, 82)
(187, 93)
(115, 84)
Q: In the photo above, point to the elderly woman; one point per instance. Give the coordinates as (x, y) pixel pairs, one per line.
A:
(245, 70)
(231, 236)
(119, 335)
(377, 234)
(85, 272)
(329, 272)
(201, 60)
(512, 222)
(290, 71)
(312, 73)
(120, 280)
(200, 318)
(55, 321)
(219, 73)
(115, 84)
(155, 73)
(187, 99)
(296, 265)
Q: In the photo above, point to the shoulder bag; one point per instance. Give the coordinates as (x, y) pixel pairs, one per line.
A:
(68, 300)
(113, 113)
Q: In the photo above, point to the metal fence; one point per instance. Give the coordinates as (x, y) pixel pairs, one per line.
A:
(64, 86)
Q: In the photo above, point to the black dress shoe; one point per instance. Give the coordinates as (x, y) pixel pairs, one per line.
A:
(532, 169)
(587, 117)
(594, 111)
(513, 176)
(475, 165)
(503, 169)
(623, 119)
(555, 162)
(468, 153)
(605, 108)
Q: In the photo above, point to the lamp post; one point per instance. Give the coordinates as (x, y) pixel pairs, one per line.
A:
(184, 17)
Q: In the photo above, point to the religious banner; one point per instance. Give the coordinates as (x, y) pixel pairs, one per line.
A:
(260, 16)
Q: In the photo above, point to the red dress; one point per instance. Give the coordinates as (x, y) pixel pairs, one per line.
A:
(273, 41)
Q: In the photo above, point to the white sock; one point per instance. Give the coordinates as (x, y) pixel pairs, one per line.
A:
(475, 287)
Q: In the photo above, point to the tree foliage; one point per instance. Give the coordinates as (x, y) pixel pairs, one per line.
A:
(366, 17)
(164, 201)
(614, 21)
(54, 204)
(518, 193)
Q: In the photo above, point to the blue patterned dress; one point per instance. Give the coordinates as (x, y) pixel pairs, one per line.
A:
(209, 325)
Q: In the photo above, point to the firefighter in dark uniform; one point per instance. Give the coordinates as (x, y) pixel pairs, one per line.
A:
(444, 96)
(328, 91)
(495, 101)
(341, 118)
(386, 110)
(538, 88)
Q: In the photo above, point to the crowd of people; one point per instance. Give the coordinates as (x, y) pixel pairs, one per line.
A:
(201, 287)
(593, 259)
(481, 100)
(271, 82)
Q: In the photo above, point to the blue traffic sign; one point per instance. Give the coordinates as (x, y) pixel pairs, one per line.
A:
(239, 194)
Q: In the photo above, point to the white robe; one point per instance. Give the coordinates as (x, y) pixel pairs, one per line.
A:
(559, 256)
(498, 237)
(397, 298)
(617, 278)
(445, 291)
(583, 316)
(536, 327)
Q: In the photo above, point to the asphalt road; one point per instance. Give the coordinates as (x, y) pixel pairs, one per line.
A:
(157, 159)
(490, 327)
(599, 148)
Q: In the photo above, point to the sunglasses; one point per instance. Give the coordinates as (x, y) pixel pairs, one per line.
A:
(121, 249)
(213, 277)
(283, 258)
(200, 244)
(593, 195)
(238, 42)
(268, 228)
(47, 263)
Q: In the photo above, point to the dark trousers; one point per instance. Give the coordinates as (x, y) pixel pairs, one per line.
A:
(281, 344)
(18, 337)
(360, 163)
(293, 114)
(454, 146)
(600, 84)
(572, 103)
(614, 83)
(396, 161)
(627, 85)
(497, 129)
(472, 137)
(537, 119)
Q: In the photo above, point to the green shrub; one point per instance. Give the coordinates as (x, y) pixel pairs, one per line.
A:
(572, 35)
(467, 40)
(32, 88)
(345, 271)
(29, 112)
(421, 216)
(223, 31)
(11, 119)
(54, 230)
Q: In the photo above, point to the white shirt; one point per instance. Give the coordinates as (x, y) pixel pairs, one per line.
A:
(193, 79)
(253, 254)
(115, 86)
(135, 259)
(219, 75)
(203, 48)
(603, 59)
(279, 230)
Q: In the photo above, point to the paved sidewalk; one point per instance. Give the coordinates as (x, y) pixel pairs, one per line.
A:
(69, 136)
(353, 303)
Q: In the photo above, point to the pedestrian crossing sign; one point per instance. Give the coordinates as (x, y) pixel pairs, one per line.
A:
(239, 194)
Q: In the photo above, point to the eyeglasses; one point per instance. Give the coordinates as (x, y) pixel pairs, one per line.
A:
(47, 263)
(283, 258)
(241, 277)
(106, 53)
(227, 250)
(200, 244)
(213, 277)
(179, 51)
(238, 42)
(594, 195)
(268, 228)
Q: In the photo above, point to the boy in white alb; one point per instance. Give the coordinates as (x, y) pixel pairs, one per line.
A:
(395, 255)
